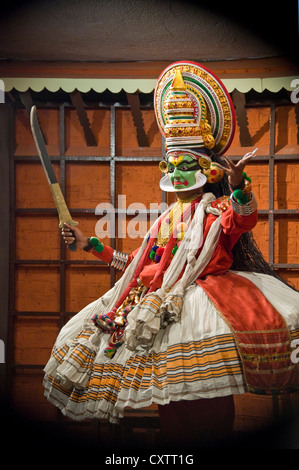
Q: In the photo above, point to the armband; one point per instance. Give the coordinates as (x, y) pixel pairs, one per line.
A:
(244, 209)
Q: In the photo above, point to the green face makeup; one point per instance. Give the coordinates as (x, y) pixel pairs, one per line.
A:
(182, 171)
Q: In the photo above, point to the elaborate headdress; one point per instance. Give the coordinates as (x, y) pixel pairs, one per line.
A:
(194, 113)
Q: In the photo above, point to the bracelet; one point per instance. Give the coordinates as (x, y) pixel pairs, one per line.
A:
(244, 209)
(119, 260)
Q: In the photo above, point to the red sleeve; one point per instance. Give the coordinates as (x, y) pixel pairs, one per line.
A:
(107, 254)
(233, 224)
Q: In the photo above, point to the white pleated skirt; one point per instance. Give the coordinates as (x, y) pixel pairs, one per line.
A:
(194, 358)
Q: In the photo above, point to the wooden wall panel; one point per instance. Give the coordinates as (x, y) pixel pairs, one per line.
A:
(84, 285)
(34, 339)
(28, 397)
(87, 184)
(286, 185)
(259, 174)
(253, 413)
(32, 189)
(261, 236)
(286, 242)
(139, 183)
(37, 237)
(37, 289)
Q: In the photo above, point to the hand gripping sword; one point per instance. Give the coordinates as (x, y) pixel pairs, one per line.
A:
(62, 209)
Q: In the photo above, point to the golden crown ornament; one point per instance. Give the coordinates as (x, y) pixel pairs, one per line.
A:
(195, 114)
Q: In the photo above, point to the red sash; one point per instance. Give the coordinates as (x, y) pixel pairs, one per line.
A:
(261, 334)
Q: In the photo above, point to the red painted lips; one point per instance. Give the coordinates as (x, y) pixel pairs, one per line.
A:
(179, 183)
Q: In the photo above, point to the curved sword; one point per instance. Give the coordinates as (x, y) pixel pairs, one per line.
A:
(62, 209)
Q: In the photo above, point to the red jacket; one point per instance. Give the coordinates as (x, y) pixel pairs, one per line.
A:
(233, 226)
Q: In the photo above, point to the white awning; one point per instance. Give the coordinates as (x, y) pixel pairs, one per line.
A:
(143, 85)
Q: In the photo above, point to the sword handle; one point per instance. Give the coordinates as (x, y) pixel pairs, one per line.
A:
(73, 246)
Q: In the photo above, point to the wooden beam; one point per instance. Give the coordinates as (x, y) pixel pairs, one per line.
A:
(27, 101)
(78, 103)
(134, 102)
(241, 113)
(243, 68)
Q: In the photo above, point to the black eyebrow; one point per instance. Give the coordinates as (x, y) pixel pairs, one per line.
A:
(184, 161)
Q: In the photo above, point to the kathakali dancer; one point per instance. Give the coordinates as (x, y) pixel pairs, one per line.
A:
(198, 315)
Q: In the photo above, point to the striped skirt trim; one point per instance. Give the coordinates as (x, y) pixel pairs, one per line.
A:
(206, 368)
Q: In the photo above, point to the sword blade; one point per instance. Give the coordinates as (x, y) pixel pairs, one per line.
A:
(62, 209)
(41, 147)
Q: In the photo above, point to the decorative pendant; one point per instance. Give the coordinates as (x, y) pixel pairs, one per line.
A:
(181, 229)
(156, 253)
